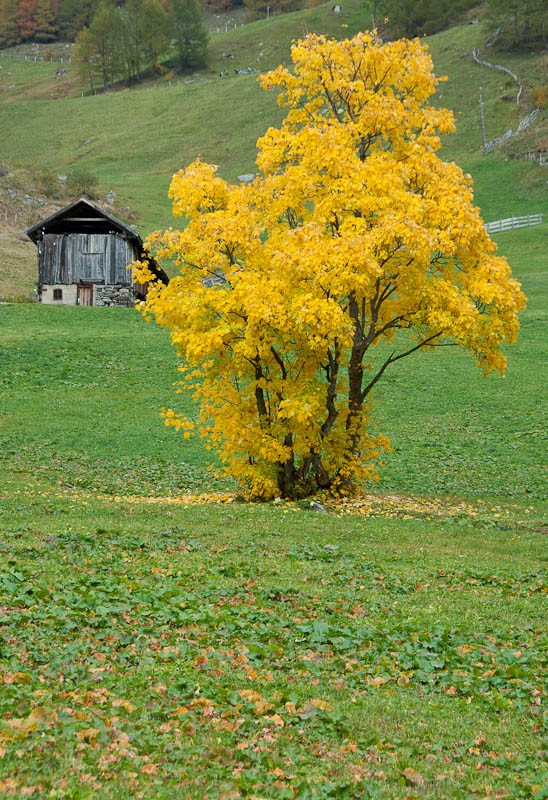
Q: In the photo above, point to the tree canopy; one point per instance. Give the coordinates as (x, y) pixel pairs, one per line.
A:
(419, 17)
(123, 42)
(518, 24)
(354, 247)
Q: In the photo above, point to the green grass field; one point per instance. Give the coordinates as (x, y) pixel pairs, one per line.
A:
(160, 638)
(243, 651)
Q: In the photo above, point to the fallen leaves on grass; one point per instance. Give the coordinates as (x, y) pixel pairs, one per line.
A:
(257, 663)
(368, 505)
(413, 777)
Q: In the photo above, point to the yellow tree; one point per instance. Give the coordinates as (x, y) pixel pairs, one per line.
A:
(354, 247)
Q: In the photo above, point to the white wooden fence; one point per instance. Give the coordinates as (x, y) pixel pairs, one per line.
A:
(514, 222)
(54, 56)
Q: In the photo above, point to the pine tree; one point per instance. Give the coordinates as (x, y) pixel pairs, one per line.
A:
(103, 40)
(26, 19)
(189, 32)
(155, 33)
(518, 24)
(46, 24)
(143, 35)
(129, 34)
(413, 17)
(9, 29)
(74, 15)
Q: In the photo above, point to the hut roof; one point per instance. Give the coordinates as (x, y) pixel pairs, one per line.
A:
(81, 216)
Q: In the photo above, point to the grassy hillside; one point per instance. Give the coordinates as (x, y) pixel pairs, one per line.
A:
(133, 140)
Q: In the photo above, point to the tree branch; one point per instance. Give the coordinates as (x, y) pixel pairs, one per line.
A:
(393, 358)
(279, 361)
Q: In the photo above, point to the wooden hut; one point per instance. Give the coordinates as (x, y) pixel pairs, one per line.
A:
(83, 254)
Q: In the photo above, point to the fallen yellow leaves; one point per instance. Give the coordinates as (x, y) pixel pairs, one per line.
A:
(22, 726)
(16, 677)
(125, 704)
(11, 788)
(413, 777)
(377, 681)
(88, 735)
(207, 707)
(260, 705)
(368, 505)
(276, 719)
(405, 506)
(215, 498)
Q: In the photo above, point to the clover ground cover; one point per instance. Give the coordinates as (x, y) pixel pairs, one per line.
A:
(267, 651)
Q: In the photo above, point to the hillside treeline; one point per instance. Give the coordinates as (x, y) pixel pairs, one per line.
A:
(124, 42)
(46, 21)
(512, 24)
(43, 20)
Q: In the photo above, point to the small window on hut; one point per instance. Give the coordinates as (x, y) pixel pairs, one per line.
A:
(57, 294)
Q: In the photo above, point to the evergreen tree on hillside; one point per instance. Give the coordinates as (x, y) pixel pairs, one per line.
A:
(9, 29)
(418, 17)
(189, 33)
(131, 29)
(143, 36)
(26, 19)
(121, 42)
(97, 48)
(74, 15)
(83, 54)
(46, 23)
(156, 31)
(518, 24)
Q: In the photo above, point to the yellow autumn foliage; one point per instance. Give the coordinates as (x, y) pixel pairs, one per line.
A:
(353, 233)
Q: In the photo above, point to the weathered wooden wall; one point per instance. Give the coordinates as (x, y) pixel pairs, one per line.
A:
(84, 257)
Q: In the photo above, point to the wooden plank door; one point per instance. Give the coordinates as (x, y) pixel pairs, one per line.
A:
(84, 294)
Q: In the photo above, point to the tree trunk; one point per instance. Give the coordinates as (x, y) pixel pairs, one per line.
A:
(355, 381)
(286, 471)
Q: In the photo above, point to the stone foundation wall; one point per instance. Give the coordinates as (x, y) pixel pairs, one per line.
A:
(116, 295)
(67, 294)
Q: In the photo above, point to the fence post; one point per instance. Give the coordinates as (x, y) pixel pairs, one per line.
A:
(482, 115)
